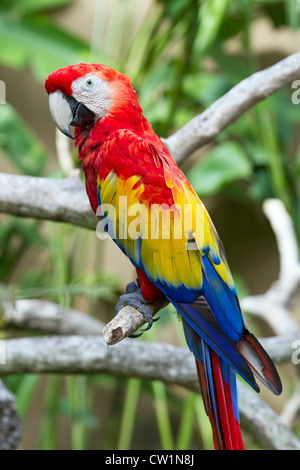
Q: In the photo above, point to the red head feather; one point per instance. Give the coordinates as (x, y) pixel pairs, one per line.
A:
(120, 85)
(63, 78)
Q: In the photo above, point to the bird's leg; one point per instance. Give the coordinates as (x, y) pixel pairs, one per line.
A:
(134, 298)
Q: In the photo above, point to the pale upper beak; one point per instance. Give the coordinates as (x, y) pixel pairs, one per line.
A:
(66, 112)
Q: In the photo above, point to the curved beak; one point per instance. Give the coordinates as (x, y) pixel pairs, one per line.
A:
(66, 112)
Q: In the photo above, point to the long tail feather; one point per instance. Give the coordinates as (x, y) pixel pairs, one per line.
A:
(218, 359)
(218, 388)
(260, 363)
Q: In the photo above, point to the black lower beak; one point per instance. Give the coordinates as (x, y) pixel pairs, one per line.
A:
(82, 116)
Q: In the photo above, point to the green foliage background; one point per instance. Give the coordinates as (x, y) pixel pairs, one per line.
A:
(179, 57)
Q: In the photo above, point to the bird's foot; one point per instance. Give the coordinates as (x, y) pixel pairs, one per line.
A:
(134, 298)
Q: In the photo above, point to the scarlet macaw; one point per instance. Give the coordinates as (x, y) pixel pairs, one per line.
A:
(123, 159)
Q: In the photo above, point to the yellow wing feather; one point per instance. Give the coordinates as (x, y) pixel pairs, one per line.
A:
(168, 242)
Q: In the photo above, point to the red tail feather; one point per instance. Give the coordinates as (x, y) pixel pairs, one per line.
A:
(218, 404)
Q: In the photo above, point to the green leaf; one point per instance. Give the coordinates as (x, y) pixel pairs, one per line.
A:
(35, 41)
(275, 11)
(224, 164)
(21, 146)
(34, 6)
(211, 14)
(25, 393)
(205, 87)
(175, 9)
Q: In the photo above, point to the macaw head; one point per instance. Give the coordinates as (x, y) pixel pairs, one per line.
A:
(81, 95)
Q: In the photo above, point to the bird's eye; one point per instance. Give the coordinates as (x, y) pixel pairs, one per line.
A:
(89, 83)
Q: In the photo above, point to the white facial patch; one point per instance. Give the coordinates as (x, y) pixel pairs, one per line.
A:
(94, 93)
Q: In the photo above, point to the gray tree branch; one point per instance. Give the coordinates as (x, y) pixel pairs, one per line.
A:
(10, 425)
(89, 354)
(151, 361)
(47, 317)
(209, 124)
(60, 200)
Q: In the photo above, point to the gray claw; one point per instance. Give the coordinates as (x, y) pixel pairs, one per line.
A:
(134, 298)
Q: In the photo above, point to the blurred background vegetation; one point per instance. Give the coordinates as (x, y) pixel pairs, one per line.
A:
(182, 55)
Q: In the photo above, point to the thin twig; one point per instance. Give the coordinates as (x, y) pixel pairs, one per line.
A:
(129, 320)
(63, 152)
(273, 305)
